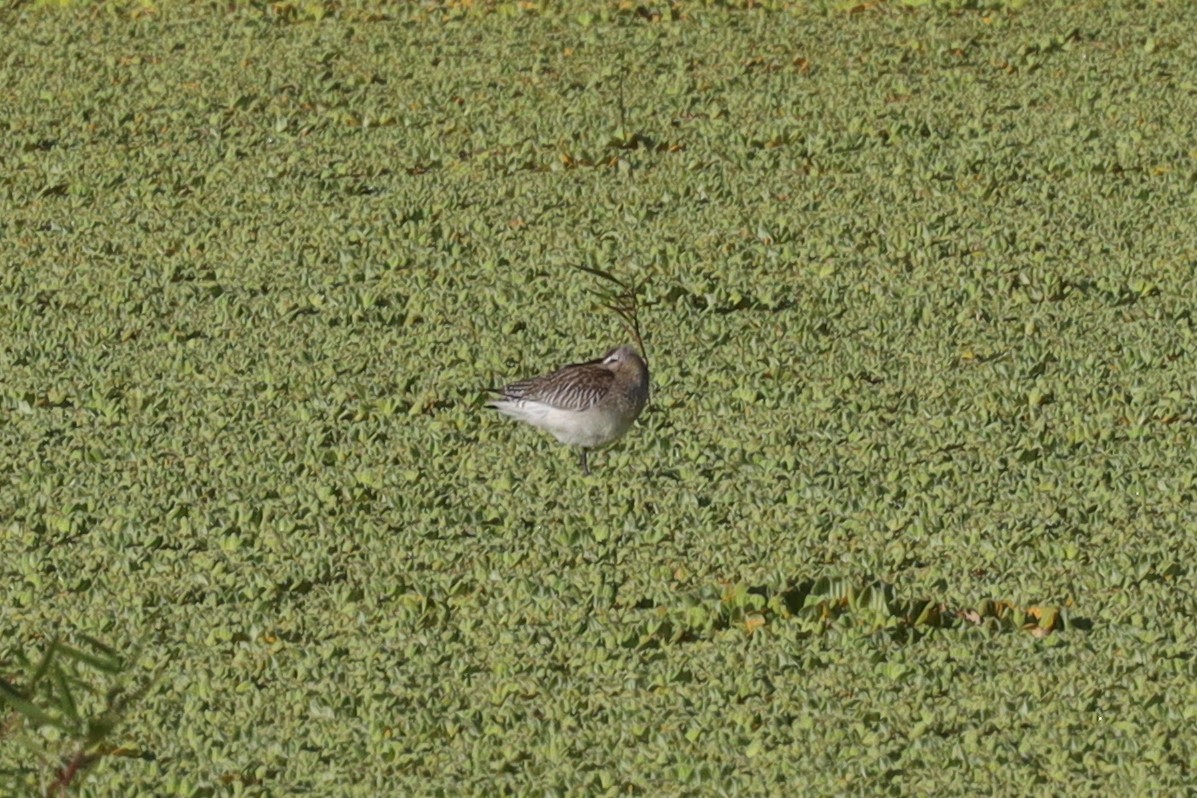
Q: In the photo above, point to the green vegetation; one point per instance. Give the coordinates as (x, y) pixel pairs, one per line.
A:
(60, 716)
(912, 510)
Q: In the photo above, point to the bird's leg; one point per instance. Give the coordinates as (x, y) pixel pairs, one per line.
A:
(585, 465)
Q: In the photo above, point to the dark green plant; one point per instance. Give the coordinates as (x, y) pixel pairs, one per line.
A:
(79, 692)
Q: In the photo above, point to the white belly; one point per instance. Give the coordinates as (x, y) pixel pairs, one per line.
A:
(588, 428)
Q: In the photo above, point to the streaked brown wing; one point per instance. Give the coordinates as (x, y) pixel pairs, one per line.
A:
(578, 387)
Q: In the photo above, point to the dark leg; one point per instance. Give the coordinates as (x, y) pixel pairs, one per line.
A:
(585, 465)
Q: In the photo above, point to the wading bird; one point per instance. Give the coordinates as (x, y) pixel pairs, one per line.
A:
(586, 404)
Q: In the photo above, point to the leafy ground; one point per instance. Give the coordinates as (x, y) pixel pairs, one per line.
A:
(912, 510)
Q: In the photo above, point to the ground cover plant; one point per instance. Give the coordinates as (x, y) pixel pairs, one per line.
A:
(911, 510)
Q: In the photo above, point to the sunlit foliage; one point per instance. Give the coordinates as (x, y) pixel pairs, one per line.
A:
(911, 511)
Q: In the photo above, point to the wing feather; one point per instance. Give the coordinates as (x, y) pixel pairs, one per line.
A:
(578, 387)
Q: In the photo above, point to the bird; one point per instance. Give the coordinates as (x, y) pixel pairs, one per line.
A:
(586, 404)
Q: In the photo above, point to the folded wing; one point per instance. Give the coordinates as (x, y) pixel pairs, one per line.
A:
(577, 388)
